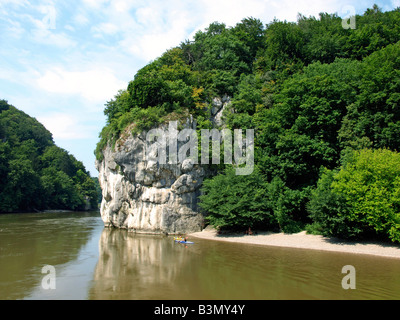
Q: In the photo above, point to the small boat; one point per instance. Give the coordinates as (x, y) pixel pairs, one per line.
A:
(182, 240)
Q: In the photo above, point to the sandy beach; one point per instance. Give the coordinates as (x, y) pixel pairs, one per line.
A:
(304, 241)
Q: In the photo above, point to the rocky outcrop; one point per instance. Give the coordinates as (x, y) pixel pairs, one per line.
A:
(143, 195)
(147, 196)
(218, 106)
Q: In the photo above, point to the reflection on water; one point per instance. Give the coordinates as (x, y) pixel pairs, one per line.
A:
(97, 263)
(133, 266)
(30, 241)
(153, 267)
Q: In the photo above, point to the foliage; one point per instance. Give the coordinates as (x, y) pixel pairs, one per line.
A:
(284, 43)
(35, 173)
(362, 198)
(374, 117)
(328, 210)
(236, 201)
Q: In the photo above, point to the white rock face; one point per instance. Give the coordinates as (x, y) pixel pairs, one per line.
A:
(146, 196)
(218, 107)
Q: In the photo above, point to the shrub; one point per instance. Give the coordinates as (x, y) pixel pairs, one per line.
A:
(234, 201)
(362, 198)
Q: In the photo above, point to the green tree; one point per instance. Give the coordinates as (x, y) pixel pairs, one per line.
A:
(233, 201)
(120, 104)
(375, 30)
(60, 190)
(364, 192)
(22, 192)
(36, 174)
(251, 33)
(374, 117)
(328, 210)
(299, 134)
(284, 43)
(324, 37)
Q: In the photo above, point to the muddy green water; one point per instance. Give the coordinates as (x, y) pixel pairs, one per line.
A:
(91, 262)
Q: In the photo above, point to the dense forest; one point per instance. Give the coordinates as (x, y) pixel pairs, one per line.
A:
(35, 174)
(323, 101)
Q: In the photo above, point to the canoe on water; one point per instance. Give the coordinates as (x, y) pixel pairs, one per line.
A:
(183, 241)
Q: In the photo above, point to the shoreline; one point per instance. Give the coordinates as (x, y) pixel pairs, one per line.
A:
(302, 240)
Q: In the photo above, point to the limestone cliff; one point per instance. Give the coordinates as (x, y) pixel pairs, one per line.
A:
(145, 196)
(149, 197)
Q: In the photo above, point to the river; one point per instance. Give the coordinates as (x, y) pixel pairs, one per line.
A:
(90, 262)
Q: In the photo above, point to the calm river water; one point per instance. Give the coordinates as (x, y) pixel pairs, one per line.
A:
(91, 262)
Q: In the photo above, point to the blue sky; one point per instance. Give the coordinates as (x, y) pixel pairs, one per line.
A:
(61, 61)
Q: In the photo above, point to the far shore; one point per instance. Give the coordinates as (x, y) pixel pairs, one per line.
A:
(304, 241)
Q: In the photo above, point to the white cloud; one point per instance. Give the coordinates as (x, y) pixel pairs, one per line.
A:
(80, 19)
(96, 4)
(231, 12)
(69, 28)
(13, 29)
(155, 27)
(65, 126)
(121, 6)
(51, 38)
(153, 43)
(105, 28)
(95, 85)
(14, 3)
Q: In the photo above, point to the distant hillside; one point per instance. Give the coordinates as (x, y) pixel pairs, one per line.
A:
(35, 174)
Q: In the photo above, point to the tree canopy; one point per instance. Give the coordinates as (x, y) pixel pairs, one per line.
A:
(35, 174)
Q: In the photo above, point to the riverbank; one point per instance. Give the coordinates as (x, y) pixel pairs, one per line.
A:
(303, 240)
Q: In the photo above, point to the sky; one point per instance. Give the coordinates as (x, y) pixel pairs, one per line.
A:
(61, 61)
